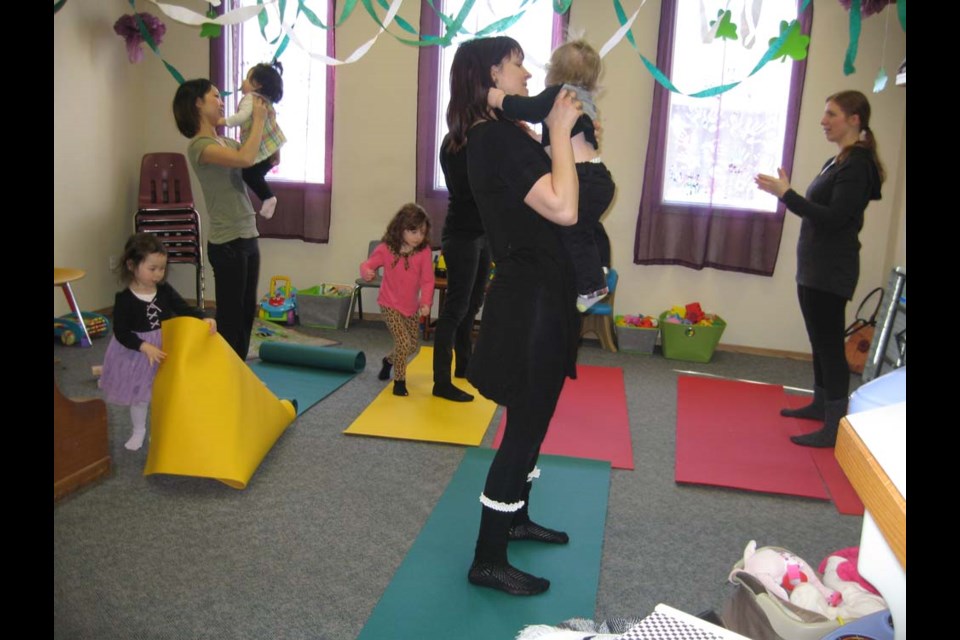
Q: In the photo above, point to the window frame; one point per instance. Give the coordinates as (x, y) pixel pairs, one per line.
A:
(678, 225)
(433, 200)
(307, 206)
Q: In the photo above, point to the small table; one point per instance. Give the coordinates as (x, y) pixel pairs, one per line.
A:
(62, 278)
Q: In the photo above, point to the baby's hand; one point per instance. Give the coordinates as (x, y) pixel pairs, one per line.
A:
(154, 355)
(424, 311)
(495, 97)
(212, 323)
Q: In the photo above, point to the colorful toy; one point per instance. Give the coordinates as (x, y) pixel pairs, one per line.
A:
(639, 321)
(69, 331)
(781, 571)
(279, 304)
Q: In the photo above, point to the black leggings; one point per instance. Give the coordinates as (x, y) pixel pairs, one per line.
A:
(824, 314)
(527, 420)
(256, 178)
(236, 269)
(468, 264)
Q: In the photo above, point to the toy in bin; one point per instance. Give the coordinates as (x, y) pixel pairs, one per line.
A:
(280, 302)
(69, 331)
(687, 333)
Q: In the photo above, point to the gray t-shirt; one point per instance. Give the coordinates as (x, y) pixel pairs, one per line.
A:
(231, 214)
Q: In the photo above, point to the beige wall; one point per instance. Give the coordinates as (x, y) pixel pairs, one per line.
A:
(119, 111)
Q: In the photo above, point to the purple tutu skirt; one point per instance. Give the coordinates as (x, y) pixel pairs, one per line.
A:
(127, 376)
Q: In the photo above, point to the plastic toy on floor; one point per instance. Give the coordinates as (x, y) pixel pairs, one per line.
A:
(781, 571)
(68, 329)
(279, 304)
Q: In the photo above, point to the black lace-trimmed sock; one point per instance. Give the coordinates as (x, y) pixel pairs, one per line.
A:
(507, 578)
(530, 530)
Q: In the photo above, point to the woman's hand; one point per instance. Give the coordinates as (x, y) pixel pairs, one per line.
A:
(775, 186)
(212, 323)
(566, 109)
(259, 108)
(424, 311)
(368, 275)
(154, 355)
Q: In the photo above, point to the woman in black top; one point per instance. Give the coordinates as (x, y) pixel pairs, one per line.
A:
(828, 252)
(528, 337)
(468, 263)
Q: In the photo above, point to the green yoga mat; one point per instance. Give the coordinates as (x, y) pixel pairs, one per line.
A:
(306, 373)
(429, 596)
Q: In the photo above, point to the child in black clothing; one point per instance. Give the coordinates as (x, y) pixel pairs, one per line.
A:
(575, 66)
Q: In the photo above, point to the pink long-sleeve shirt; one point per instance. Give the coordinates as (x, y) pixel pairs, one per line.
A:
(403, 281)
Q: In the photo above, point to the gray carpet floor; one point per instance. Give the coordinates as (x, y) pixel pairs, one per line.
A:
(309, 547)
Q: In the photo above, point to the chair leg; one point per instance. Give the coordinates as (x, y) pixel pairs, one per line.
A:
(607, 339)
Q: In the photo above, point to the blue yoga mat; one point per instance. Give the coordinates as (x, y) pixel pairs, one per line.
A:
(429, 596)
(306, 373)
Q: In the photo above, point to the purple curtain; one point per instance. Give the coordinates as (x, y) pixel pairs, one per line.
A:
(707, 235)
(303, 209)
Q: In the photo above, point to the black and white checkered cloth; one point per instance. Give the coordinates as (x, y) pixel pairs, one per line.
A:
(658, 626)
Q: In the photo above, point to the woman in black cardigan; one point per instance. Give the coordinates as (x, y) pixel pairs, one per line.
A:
(828, 252)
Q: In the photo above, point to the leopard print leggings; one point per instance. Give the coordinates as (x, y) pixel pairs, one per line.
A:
(406, 340)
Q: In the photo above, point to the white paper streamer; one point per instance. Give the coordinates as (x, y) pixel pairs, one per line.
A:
(360, 51)
(620, 33)
(748, 22)
(194, 19)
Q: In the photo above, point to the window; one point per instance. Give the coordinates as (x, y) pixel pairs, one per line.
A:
(302, 179)
(700, 206)
(538, 31)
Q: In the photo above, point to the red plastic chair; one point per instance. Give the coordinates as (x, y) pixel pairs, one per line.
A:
(166, 209)
(164, 182)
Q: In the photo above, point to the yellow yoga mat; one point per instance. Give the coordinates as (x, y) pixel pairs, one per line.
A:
(421, 415)
(210, 415)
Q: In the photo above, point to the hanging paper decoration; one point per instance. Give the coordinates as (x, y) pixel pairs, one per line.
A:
(794, 45)
(128, 28)
(726, 29)
(868, 7)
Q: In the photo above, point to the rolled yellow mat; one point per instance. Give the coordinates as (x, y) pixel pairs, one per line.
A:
(210, 415)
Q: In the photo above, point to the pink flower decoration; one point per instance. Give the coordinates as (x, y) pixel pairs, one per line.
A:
(127, 28)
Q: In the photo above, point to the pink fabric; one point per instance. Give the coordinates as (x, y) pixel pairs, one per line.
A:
(401, 285)
(847, 571)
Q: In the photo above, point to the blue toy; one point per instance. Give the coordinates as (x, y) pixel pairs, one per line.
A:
(280, 302)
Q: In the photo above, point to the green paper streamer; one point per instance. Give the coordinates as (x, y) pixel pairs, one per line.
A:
(58, 5)
(851, 56)
(561, 6)
(901, 13)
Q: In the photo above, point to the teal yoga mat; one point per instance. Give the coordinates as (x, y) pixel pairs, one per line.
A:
(306, 373)
(429, 596)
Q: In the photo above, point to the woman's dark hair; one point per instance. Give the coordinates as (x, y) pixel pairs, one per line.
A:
(185, 110)
(470, 80)
(410, 218)
(269, 77)
(138, 247)
(854, 103)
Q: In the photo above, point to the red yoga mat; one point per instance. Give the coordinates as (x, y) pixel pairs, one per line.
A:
(590, 420)
(730, 434)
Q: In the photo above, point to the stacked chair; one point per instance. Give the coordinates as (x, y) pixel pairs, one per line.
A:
(166, 209)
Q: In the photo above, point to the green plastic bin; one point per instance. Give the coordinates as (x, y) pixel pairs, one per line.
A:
(691, 343)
